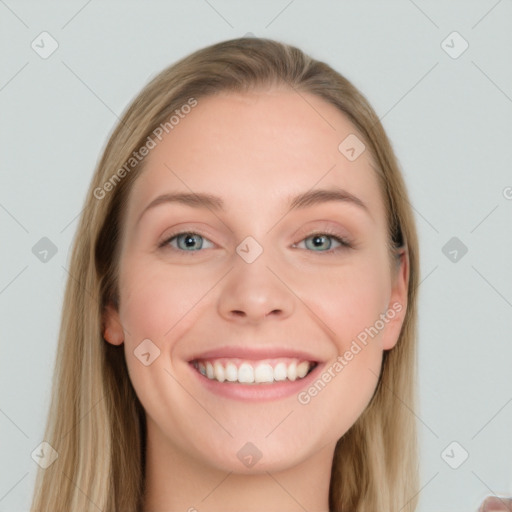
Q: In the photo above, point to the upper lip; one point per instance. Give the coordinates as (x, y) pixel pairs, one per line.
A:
(254, 353)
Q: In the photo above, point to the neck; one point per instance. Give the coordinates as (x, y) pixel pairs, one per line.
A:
(176, 481)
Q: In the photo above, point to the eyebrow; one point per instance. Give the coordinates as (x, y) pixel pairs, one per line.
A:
(215, 203)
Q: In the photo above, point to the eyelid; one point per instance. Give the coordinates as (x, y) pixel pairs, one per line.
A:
(344, 242)
(174, 234)
(314, 227)
(326, 228)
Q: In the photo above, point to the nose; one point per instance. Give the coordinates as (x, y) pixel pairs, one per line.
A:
(253, 291)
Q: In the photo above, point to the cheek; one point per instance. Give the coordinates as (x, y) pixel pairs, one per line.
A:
(159, 304)
(156, 300)
(350, 299)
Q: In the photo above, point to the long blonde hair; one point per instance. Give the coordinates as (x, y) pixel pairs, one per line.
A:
(96, 422)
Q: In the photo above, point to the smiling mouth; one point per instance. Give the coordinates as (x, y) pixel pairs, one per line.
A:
(243, 371)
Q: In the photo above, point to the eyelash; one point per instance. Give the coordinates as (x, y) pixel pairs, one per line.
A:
(344, 243)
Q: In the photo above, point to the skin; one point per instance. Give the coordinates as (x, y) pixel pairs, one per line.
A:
(496, 504)
(254, 150)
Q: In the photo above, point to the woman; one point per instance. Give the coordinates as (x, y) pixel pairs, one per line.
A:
(212, 355)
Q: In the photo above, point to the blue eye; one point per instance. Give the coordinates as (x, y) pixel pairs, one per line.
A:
(324, 240)
(189, 241)
(186, 241)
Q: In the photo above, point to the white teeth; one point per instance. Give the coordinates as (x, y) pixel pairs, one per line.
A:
(210, 373)
(264, 373)
(302, 369)
(257, 373)
(280, 371)
(292, 371)
(246, 373)
(219, 372)
(231, 372)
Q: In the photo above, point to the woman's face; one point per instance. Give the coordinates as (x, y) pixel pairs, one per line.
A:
(252, 288)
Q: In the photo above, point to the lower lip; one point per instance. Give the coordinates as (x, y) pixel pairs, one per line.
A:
(257, 392)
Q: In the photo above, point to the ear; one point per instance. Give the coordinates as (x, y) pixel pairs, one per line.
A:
(397, 306)
(113, 330)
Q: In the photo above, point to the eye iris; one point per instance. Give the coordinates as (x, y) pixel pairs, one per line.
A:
(190, 239)
(319, 240)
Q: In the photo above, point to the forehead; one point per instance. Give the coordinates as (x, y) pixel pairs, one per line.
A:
(256, 148)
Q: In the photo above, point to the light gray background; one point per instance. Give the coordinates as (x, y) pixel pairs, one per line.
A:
(450, 123)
